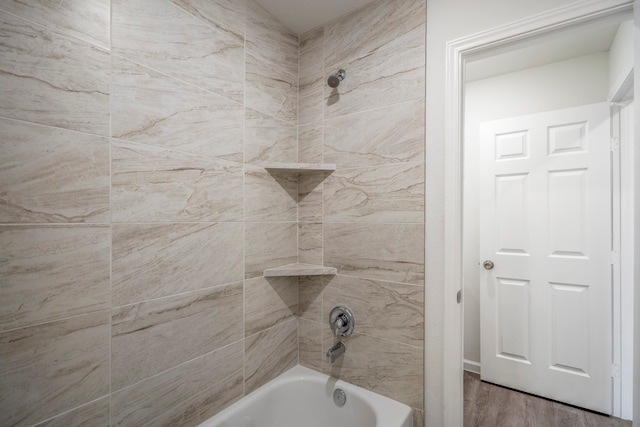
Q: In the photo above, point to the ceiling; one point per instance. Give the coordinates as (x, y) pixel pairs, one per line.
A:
(301, 16)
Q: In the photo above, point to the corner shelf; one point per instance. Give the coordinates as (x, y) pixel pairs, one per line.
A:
(299, 269)
(301, 167)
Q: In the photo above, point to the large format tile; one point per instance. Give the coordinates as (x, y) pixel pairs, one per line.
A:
(391, 252)
(311, 61)
(269, 90)
(185, 395)
(52, 79)
(388, 368)
(388, 135)
(268, 140)
(389, 193)
(385, 77)
(52, 175)
(53, 367)
(88, 20)
(310, 190)
(52, 272)
(157, 260)
(393, 311)
(310, 143)
(269, 40)
(227, 16)
(93, 414)
(161, 35)
(150, 337)
(310, 297)
(270, 353)
(310, 243)
(269, 245)
(151, 108)
(270, 196)
(310, 344)
(370, 28)
(311, 79)
(155, 184)
(269, 301)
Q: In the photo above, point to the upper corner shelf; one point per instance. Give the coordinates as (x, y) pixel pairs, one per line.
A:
(301, 167)
(299, 269)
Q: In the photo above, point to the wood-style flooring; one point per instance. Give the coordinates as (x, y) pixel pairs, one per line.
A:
(489, 405)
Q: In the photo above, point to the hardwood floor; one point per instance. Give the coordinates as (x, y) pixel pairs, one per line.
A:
(488, 405)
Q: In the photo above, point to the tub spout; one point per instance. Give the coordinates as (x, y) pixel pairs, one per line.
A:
(335, 352)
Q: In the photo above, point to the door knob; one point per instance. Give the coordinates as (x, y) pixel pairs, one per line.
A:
(488, 265)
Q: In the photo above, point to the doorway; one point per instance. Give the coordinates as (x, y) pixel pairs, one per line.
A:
(460, 52)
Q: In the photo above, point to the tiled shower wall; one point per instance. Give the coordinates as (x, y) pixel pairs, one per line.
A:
(372, 228)
(135, 221)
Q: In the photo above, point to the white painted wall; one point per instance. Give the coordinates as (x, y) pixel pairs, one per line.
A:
(578, 81)
(449, 20)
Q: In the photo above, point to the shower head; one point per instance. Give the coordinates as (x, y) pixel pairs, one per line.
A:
(334, 81)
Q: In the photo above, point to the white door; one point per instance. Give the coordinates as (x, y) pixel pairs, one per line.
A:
(545, 221)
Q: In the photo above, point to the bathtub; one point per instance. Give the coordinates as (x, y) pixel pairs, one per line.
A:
(302, 397)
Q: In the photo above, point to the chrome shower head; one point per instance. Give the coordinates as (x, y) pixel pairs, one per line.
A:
(334, 81)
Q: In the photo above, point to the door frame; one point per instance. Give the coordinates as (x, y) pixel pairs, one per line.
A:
(457, 53)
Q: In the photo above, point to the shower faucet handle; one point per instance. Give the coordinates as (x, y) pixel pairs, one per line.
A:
(342, 321)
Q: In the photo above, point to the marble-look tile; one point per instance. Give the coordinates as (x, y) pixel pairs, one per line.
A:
(269, 244)
(52, 272)
(185, 395)
(269, 90)
(370, 28)
(268, 139)
(393, 311)
(311, 78)
(52, 175)
(310, 243)
(88, 20)
(270, 41)
(311, 61)
(310, 344)
(390, 252)
(160, 35)
(151, 108)
(150, 337)
(418, 418)
(389, 193)
(388, 135)
(310, 102)
(270, 195)
(52, 79)
(227, 16)
(385, 77)
(310, 297)
(389, 368)
(156, 260)
(310, 190)
(269, 301)
(53, 367)
(155, 184)
(270, 353)
(94, 414)
(310, 143)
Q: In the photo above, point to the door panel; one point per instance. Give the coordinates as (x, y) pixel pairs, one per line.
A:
(545, 221)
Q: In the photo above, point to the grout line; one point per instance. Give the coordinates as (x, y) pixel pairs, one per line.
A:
(110, 213)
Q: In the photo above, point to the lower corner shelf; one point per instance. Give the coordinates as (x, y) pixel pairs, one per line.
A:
(299, 269)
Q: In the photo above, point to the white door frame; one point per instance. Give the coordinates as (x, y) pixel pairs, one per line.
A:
(457, 51)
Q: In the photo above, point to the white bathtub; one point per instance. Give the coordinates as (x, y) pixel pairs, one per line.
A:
(302, 397)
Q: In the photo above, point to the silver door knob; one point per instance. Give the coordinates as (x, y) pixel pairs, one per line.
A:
(488, 265)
